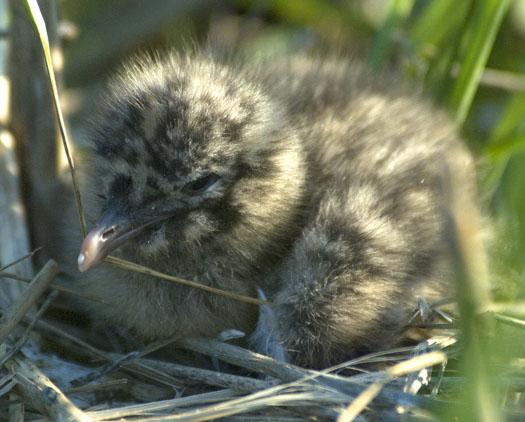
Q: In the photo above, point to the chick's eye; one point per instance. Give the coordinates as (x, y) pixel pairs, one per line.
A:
(201, 184)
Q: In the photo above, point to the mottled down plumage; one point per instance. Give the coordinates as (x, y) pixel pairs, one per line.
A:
(309, 179)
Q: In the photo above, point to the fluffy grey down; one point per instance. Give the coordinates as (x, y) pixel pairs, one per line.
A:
(309, 179)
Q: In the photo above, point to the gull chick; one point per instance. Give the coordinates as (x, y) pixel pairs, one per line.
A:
(307, 180)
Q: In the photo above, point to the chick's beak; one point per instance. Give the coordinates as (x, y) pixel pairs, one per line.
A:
(111, 231)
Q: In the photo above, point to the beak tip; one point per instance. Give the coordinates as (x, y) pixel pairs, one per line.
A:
(82, 264)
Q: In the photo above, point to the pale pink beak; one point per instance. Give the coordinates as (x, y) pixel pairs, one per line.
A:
(110, 232)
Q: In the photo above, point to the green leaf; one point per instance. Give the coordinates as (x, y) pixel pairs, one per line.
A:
(510, 122)
(438, 20)
(487, 18)
(507, 139)
(398, 11)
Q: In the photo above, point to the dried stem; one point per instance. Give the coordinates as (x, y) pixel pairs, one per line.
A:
(18, 309)
(121, 263)
(140, 409)
(45, 396)
(58, 287)
(403, 368)
(16, 261)
(40, 26)
(23, 339)
(219, 379)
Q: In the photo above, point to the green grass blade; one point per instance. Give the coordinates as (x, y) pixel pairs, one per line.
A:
(438, 20)
(507, 148)
(506, 140)
(511, 120)
(489, 14)
(321, 15)
(398, 11)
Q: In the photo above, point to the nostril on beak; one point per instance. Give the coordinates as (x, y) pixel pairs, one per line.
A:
(108, 233)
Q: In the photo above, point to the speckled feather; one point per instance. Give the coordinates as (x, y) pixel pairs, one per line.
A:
(329, 200)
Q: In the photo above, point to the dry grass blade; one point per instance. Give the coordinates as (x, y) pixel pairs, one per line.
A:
(18, 309)
(513, 308)
(360, 403)
(109, 384)
(294, 396)
(415, 364)
(164, 405)
(56, 286)
(45, 327)
(23, 339)
(412, 365)
(126, 265)
(516, 322)
(497, 78)
(105, 385)
(117, 361)
(16, 261)
(40, 27)
(433, 343)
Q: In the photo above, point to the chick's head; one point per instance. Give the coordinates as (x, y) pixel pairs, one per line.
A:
(181, 151)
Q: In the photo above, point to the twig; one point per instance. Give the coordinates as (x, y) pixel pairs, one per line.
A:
(158, 370)
(45, 396)
(244, 358)
(218, 379)
(7, 383)
(18, 309)
(12, 276)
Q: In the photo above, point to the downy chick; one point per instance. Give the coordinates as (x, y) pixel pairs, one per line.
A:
(307, 178)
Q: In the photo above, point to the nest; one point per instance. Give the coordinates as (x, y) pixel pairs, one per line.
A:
(66, 373)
